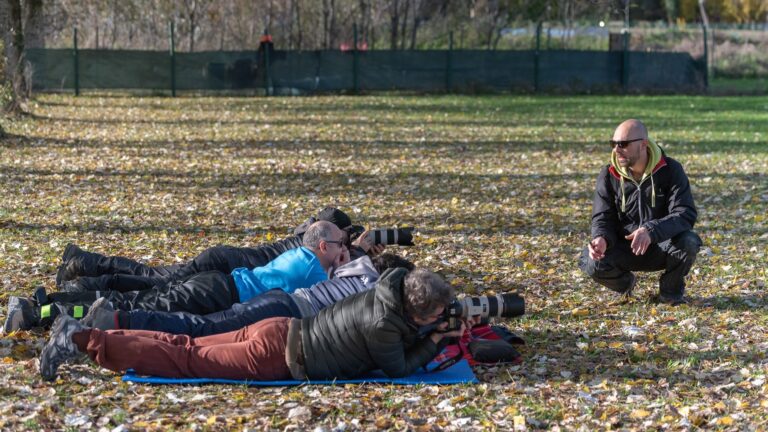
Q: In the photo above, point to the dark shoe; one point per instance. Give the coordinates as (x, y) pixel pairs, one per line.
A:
(69, 252)
(22, 314)
(68, 271)
(626, 295)
(40, 296)
(670, 300)
(100, 316)
(60, 347)
(77, 262)
(63, 273)
(71, 286)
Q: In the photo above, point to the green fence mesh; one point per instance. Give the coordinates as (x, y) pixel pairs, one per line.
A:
(334, 71)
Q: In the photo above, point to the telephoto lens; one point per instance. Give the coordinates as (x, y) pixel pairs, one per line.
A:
(505, 305)
(391, 236)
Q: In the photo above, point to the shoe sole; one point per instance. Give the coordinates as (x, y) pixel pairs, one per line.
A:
(48, 369)
(87, 320)
(69, 251)
(13, 321)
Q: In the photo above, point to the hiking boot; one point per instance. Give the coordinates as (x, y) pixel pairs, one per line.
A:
(100, 316)
(77, 262)
(68, 271)
(22, 314)
(670, 300)
(71, 286)
(40, 296)
(62, 272)
(626, 295)
(60, 347)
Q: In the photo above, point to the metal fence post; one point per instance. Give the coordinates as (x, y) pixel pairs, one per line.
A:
(173, 58)
(267, 75)
(706, 56)
(537, 59)
(76, 62)
(355, 60)
(449, 64)
(625, 61)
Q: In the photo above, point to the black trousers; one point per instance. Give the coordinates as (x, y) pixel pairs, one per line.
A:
(201, 294)
(115, 273)
(273, 303)
(674, 256)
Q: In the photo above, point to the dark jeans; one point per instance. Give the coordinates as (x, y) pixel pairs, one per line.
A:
(201, 294)
(115, 273)
(274, 303)
(675, 256)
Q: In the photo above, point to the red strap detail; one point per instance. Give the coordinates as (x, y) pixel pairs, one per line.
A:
(614, 173)
(662, 163)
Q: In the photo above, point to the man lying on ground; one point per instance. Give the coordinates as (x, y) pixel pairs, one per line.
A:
(374, 329)
(89, 271)
(354, 277)
(212, 291)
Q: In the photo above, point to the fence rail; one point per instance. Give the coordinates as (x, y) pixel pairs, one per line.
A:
(298, 72)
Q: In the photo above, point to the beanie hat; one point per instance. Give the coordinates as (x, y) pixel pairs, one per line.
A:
(334, 216)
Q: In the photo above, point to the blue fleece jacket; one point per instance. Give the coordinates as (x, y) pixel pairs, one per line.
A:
(296, 268)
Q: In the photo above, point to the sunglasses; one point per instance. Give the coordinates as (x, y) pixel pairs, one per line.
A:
(624, 144)
(338, 242)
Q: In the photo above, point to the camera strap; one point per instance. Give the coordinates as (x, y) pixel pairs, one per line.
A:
(445, 364)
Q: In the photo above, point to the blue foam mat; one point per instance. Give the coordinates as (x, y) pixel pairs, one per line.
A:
(460, 373)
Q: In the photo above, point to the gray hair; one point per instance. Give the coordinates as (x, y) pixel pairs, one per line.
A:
(424, 292)
(317, 232)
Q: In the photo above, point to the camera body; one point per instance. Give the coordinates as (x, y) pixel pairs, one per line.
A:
(505, 305)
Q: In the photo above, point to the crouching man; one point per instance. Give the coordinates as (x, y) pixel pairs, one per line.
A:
(642, 217)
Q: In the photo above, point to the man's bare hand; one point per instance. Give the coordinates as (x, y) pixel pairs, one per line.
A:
(597, 248)
(364, 242)
(376, 249)
(438, 335)
(641, 240)
(343, 257)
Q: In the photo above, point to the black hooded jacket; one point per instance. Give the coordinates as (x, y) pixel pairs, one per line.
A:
(364, 332)
(673, 213)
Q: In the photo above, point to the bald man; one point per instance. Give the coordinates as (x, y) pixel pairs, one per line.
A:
(642, 216)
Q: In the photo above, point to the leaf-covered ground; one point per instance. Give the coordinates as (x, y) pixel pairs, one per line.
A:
(500, 189)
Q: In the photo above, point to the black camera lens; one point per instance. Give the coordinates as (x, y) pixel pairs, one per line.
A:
(392, 236)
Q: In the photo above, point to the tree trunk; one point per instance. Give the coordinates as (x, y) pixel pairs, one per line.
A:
(299, 30)
(114, 25)
(404, 26)
(15, 61)
(394, 11)
(671, 9)
(364, 20)
(704, 18)
(192, 26)
(332, 27)
(33, 24)
(326, 24)
(414, 30)
(5, 23)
